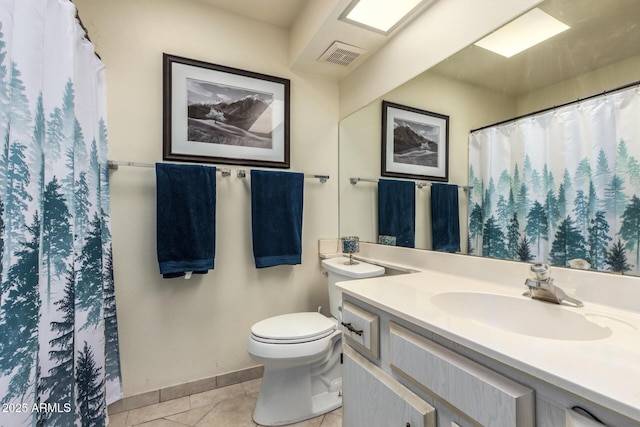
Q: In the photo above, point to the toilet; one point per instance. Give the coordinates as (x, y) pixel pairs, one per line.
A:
(301, 355)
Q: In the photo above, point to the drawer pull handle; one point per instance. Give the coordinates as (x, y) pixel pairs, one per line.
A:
(352, 329)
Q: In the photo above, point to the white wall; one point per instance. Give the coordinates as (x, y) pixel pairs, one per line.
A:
(606, 78)
(174, 331)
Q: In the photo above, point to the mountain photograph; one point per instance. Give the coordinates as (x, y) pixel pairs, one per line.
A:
(221, 114)
(415, 143)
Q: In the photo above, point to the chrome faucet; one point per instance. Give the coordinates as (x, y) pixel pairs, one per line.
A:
(541, 287)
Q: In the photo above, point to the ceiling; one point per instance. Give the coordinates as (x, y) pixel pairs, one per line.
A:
(602, 32)
(281, 13)
(314, 26)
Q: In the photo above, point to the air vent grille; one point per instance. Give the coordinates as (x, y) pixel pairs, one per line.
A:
(341, 54)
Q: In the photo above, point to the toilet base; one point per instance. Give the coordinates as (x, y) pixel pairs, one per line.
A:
(299, 393)
(285, 398)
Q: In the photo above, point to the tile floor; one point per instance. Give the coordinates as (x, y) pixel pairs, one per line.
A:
(230, 406)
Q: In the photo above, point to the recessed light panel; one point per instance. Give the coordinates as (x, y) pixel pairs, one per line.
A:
(522, 33)
(379, 15)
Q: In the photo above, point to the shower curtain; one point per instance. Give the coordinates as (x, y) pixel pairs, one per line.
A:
(59, 363)
(561, 187)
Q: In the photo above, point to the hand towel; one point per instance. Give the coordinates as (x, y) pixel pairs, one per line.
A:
(397, 210)
(445, 217)
(186, 218)
(276, 217)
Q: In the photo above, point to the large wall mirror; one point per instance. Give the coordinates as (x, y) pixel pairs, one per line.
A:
(476, 88)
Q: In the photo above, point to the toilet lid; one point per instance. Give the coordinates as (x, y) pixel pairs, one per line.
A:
(294, 327)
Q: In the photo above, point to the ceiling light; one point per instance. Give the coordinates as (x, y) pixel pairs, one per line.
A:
(522, 33)
(379, 15)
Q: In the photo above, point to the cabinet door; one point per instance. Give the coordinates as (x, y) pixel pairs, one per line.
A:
(481, 394)
(372, 398)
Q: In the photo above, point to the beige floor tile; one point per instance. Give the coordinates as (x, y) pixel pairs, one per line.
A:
(314, 422)
(235, 412)
(160, 423)
(191, 418)
(159, 410)
(252, 387)
(212, 397)
(331, 420)
(230, 406)
(118, 420)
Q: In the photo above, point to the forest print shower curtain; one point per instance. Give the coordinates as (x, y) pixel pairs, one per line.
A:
(59, 363)
(561, 187)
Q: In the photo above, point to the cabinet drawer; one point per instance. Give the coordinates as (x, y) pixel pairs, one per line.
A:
(481, 394)
(373, 398)
(361, 329)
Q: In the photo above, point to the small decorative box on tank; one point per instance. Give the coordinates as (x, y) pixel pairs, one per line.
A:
(350, 245)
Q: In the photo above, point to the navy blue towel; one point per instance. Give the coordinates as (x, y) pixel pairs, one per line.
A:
(445, 217)
(397, 210)
(276, 217)
(186, 218)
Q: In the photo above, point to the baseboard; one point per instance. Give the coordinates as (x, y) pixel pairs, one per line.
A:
(181, 390)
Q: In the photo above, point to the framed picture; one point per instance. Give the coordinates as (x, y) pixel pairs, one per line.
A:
(415, 143)
(218, 114)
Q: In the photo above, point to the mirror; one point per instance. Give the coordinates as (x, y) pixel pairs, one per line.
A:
(476, 88)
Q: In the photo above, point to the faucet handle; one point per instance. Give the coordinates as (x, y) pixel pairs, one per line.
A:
(532, 284)
(540, 272)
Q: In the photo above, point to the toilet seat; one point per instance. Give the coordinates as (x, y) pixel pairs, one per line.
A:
(294, 328)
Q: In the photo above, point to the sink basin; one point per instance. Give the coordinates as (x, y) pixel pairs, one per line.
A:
(521, 315)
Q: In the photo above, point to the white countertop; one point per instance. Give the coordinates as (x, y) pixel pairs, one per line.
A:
(605, 371)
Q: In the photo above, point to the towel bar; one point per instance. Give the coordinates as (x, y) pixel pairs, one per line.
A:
(115, 164)
(354, 181)
(241, 173)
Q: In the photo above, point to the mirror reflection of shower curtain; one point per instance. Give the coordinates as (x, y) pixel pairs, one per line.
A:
(560, 187)
(59, 362)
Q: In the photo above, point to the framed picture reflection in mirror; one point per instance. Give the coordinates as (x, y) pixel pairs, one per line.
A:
(415, 143)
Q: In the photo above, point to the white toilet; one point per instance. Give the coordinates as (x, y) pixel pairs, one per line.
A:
(301, 355)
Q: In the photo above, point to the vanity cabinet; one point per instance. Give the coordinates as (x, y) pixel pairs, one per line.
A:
(462, 387)
(416, 382)
(373, 398)
(479, 393)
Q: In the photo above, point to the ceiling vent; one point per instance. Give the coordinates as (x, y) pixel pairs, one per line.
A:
(341, 54)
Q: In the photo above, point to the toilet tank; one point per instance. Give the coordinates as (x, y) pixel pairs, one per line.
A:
(339, 270)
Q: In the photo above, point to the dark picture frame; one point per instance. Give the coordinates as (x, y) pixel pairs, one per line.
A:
(218, 114)
(415, 143)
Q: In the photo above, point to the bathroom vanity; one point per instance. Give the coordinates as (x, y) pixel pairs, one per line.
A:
(435, 349)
